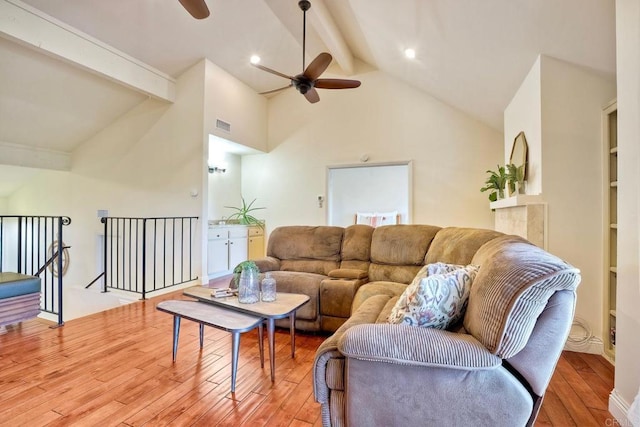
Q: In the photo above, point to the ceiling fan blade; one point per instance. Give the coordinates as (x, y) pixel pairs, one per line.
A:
(197, 8)
(312, 96)
(336, 84)
(269, 70)
(318, 66)
(275, 90)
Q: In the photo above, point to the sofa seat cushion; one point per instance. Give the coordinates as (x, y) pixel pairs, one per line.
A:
(514, 283)
(371, 289)
(301, 283)
(15, 284)
(383, 317)
(435, 300)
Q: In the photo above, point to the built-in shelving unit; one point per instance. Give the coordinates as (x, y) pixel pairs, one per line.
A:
(610, 142)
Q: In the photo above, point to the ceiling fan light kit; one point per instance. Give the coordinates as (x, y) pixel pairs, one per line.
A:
(307, 82)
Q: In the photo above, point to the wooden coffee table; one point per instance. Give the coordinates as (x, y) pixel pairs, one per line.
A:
(284, 306)
(217, 317)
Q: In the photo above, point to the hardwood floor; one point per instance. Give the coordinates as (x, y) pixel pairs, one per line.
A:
(114, 368)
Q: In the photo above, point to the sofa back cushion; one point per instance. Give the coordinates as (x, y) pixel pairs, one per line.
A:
(455, 245)
(398, 251)
(306, 249)
(514, 284)
(356, 247)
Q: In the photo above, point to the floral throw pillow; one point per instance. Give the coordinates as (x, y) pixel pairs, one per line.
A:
(437, 297)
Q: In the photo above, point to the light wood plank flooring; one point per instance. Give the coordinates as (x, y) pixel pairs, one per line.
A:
(114, 369)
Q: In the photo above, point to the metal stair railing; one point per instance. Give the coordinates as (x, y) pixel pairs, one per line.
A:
(31, 244)
(143, 255)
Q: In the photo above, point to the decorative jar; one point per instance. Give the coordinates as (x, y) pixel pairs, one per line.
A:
(268, 288)
(248, 287)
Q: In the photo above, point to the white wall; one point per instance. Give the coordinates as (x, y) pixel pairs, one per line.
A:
(627, 376)
(572, 175)
(228, 99)
(389, 121)
(559, 106)
(524, 113)
(3, 206)
(144, 164)
(224, 188)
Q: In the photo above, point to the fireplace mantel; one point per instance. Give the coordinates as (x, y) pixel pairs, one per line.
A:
(523, 215)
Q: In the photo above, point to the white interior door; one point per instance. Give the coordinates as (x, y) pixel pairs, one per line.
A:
(368, 188)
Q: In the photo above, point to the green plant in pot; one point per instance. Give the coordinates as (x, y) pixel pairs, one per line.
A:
(495, 183)
(244, 214)
(515, 178)
(244, 265)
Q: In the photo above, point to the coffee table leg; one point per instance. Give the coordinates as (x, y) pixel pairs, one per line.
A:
(176, 333)
(292, 332)
(201, 335)
(271, 326)
(261, 343)
(235, 344)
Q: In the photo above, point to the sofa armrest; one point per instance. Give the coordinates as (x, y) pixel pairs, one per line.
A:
(267, 264)
(348, 273)
(409, 345)
(325, 377)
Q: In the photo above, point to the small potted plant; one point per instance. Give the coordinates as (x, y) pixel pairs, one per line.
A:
(244, 265)
(515, 179)
(243, 214)
(495, 183)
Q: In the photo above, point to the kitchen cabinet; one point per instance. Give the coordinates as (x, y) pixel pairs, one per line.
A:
(227, 246)
(256, 242)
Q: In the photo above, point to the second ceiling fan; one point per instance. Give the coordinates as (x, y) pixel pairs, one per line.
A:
(307, 82)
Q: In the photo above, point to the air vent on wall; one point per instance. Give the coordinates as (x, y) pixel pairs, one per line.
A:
(223, 125)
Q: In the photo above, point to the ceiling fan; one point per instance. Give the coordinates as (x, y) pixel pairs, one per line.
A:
(307, 82)
(197, 8)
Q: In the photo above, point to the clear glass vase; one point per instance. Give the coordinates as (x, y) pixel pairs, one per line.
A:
(248, 287)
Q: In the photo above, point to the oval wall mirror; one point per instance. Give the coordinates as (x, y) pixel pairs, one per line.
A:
(519, 153)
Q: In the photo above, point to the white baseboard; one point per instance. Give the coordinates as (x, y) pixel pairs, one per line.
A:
(619, 409)
(593, 346)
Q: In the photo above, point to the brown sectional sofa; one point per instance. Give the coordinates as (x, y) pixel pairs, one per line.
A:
(330, 264)
(492, 369)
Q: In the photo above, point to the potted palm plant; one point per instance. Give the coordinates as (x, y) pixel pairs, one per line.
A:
(244, 214)
(515, 178)
(495, 183)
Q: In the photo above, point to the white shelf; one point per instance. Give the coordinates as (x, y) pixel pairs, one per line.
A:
(610, 168)
(518, 200)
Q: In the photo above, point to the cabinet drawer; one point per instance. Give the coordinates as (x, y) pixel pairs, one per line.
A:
(218, 233)
(255, 231)
(237, 232)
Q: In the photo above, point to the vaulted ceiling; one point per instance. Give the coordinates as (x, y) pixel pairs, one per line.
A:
(471, 54)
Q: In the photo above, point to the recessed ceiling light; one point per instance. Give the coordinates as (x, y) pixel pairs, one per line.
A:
(254, 59)
(410, 53)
